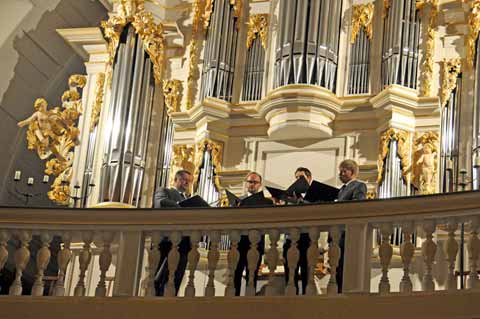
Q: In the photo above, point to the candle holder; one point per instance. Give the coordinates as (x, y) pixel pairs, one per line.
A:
(28, 193)
(76, 189)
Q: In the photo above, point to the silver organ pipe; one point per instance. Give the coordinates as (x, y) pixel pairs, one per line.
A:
(220, 53)
(450, 128)
(308, 39)
(254, 71)
(400, 44)
(359, 75)
(393, 183)
(128, 122)
(206, 180)
(476, 124)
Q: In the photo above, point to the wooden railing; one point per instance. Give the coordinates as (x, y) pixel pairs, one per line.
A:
(124, 246)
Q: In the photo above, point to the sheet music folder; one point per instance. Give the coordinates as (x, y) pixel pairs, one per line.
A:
(300, 186)
(320, 192)
(194, 201)
(257, 199)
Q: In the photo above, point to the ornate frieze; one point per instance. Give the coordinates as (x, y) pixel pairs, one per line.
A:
(54, 133)
(450, 71)
(403, 139)
(362, 17)
(426, 76)
(97, 104)
(172, 93)
(425, 158)
(473, 29)
(257, 27)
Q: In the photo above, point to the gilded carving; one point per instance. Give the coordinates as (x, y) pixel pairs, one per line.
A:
(216, 151)
(193, 53)
(386, 6)
(473, 29)
(207, 14)
(425, 162)
(362, 17)
(171, 92)
(257, 26)
(450, 71)
(54, 132)
(403, 150)
(237, 10)
(426, 76)
(97, 104)
(183, 158)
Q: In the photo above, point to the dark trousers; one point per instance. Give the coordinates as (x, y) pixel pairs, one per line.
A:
(339, 274)
(302, 244)
(162, 271)
(243, 247)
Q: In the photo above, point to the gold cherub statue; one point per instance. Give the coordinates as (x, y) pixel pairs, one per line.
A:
(426, 165)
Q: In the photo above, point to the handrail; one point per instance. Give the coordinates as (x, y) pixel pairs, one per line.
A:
(419, 207)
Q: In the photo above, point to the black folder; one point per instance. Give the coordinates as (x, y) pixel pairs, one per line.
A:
(233, 200)
(194, 201)
(320, 192)
(257, 199)
(300, 186)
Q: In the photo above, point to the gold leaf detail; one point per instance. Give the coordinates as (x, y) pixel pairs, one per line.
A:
(403, 140)
(171, 91)
(362, 17)
(257, 26)
(450, 71)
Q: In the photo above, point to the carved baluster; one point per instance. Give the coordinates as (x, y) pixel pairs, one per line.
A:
(153, 260)
(474, 253)
(429, 248)
(193, 258)
(172, 262)
(84, 261)
(63, 259)
(451, 250)
(272, 262)
(232, 259)
(22, 255)
(104, 261)
(43, 258)
(213, 256)
(333, 259)
(385, 254)
(313, 253)
(293, 254)
(252, 260)
(407, 250)
(4, 235)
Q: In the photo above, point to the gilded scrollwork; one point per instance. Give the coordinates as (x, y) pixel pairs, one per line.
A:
(216, 151)
(237, 10)
(172, 93)
(97, 104)
(473, 30)
(183, 158)
(426, 76)
(54, 132)
(207, 14)
(362, 17)
(425, 158)
(257, 27)
(193, 53)
(403, 151)
(450, 70)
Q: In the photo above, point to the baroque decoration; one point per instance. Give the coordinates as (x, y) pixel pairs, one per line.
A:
(172, 93)
(257, 26)
(216, 149)
(151, 33)
(473, 30)
(403, 140)
(426, 77)
(98, 103)
(450, 71)
(362, 17)
(183, 158)
(54, 134)
(193, 52)
(425, 162)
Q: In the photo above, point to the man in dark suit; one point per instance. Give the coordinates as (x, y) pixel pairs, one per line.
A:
(254, 186)
(169, 198)
(352, 189)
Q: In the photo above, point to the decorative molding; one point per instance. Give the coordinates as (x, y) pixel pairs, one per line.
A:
(193, 51)
(426, 76)
(473, 30)
(425, 165)
(172, 93)
(362, 17)
(403, 139)
(55, 132)
(450, 70)
(257, 26)
(98, 103)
